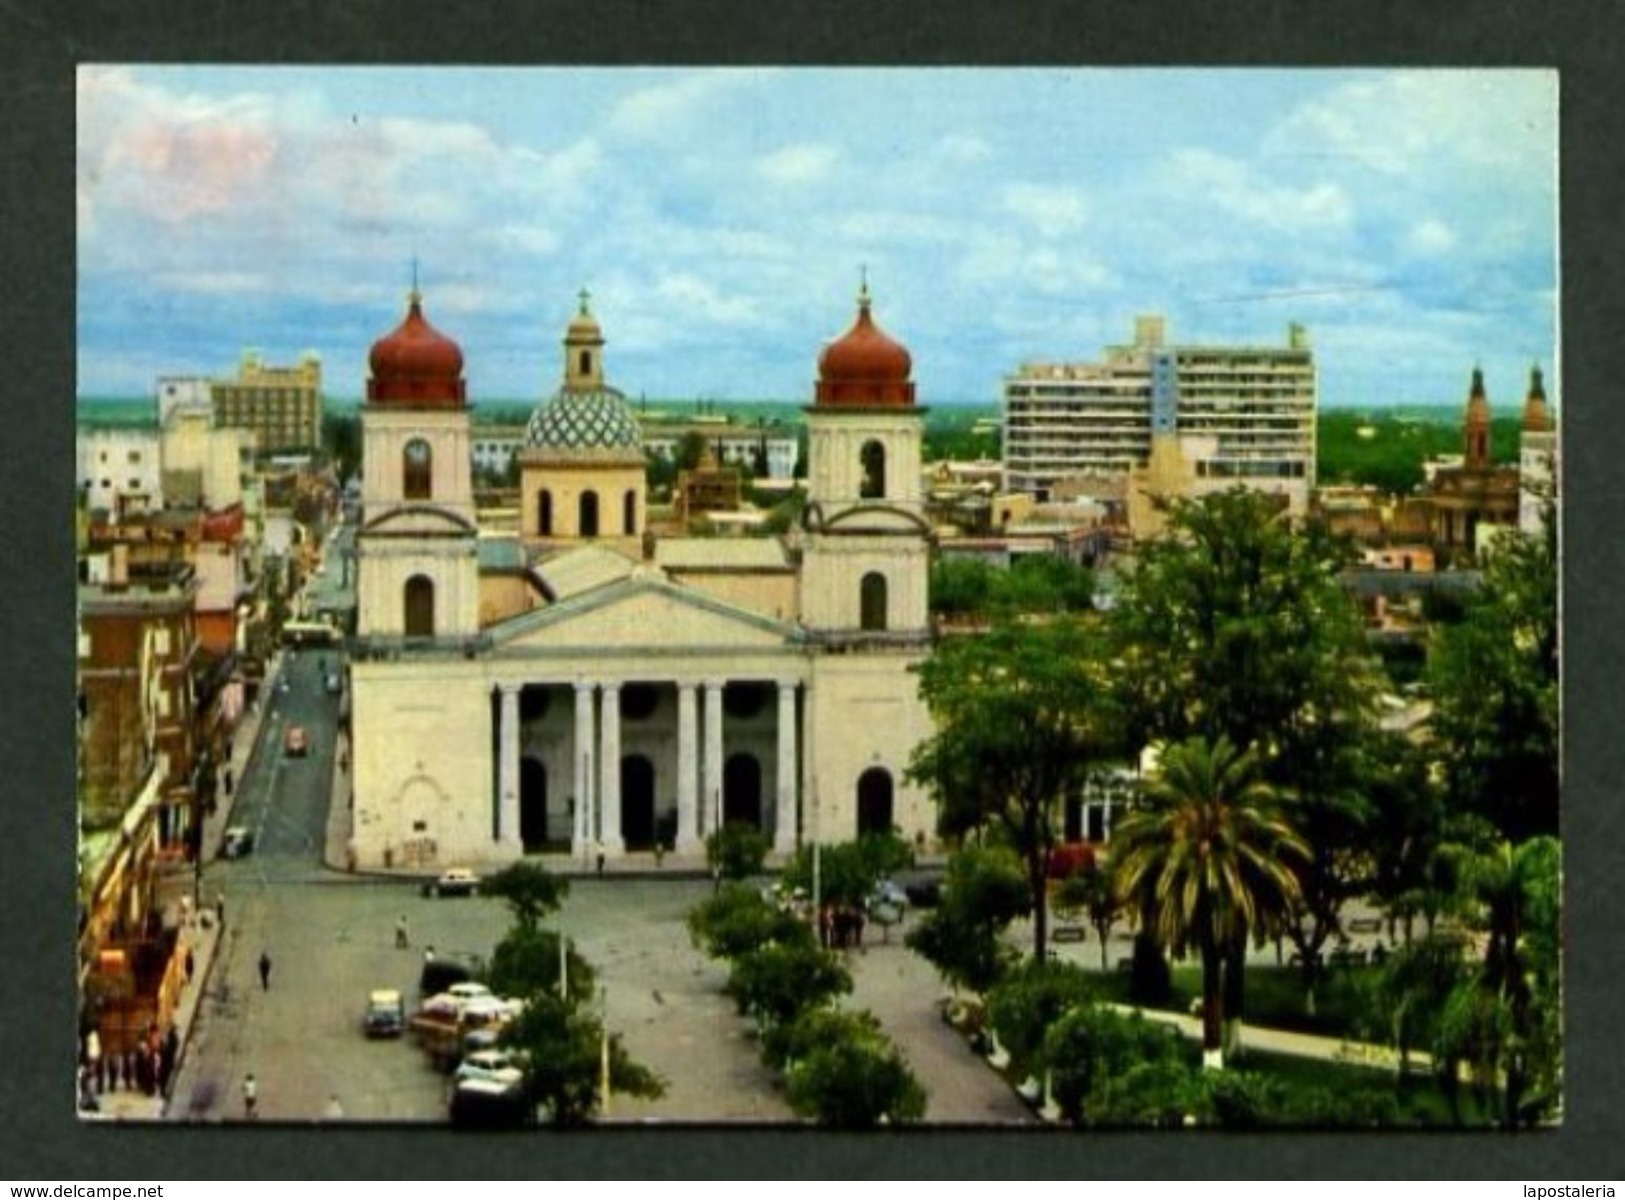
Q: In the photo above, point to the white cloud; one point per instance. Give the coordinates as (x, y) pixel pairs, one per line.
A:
(1052, 210)
(1236, 187)
(662, 109)
(215, 283)
(805, 162)
(1430, 237)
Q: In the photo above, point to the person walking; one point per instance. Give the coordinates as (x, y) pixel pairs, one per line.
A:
(251, 1096)
(401, 939)
(220, 909)
(191, 964)
(265, 971)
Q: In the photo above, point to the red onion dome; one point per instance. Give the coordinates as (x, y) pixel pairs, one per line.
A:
(416, 366)
(864, 368)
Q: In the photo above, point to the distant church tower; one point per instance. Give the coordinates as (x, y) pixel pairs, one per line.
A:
(867, 559)
(1476, 426)
(1537, 457)
(582, 472)
(417, 573)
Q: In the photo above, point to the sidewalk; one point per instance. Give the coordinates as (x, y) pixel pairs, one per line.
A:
(201, 935)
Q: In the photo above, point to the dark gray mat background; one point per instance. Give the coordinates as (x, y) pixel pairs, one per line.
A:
(40, 45)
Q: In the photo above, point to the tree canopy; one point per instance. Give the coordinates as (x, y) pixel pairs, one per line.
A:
(1021, 719)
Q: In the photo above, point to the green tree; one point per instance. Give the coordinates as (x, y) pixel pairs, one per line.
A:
(341, 442)
(736, 921)
(961, 587)
(1093, 891)
(986, 889)
(1024, 1005)
(530, 890)
(1043, 583)
(736, 851)
(848, 871)
(1208, 856)
(561, 1046)
(1021, 719)
(1494, 680)
(779, 981)
(1412, 991)
(526, 962)
(855, 1083)
(787, 1044)
(1113, 1068)
(1235, 625)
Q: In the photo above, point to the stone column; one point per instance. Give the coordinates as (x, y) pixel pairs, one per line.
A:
(784, 815)
(508, 768)
(688, 756)
(609, 772)
(711, 796)
(581, 837)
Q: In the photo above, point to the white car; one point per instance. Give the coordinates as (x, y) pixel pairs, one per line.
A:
(496, 1065)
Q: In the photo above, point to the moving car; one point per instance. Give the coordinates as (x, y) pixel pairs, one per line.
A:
(455, 881)
(296, 742)
(386, 1014)
(238, 841)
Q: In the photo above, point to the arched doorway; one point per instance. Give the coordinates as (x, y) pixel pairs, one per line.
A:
(874, 801)
(637, 802)
(742, 791)
(532, 803)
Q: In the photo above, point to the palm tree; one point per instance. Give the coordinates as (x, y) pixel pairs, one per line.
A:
(1205, 857)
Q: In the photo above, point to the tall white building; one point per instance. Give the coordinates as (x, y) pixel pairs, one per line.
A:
(1236, 414)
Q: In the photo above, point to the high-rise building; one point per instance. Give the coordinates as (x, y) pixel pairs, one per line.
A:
(1236, 415)
(282, 405)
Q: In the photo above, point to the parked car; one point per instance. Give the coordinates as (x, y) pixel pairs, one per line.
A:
(496, 1065)
(455, 881)
(924, 893)
(295, 742)
(335, 684)
(237, 843)
(385, 1015)
(489, 1104)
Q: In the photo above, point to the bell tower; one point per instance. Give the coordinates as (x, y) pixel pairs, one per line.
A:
(867, 560)
(417, 570)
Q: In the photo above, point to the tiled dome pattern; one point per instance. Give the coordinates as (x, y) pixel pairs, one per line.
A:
(595, 420)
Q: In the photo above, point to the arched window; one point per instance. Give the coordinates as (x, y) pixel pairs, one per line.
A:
(872, 601)
(588, 526)
(417, 463)
(629, 511)
(586, 362)
(873, 484)
(544, 513)
(420, 606)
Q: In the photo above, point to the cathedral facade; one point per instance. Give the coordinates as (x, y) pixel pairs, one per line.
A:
(586, 687)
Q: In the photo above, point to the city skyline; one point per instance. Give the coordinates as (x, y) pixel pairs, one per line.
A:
(722, 220)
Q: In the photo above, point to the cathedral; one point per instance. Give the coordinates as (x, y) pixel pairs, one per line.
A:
(585, 686)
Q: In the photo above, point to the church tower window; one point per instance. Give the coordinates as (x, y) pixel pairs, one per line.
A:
(420, 606)
(417, 470)
(872, 601)
(873, 483)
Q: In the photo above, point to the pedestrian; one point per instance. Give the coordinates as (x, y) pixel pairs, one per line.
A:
(401, 940)
(428, 954)
(191, 964)
(220, 909)
(335, 1110)
(251, 1095)
(265, 971)
(172, 1046)
(228, 781)
(599, 848)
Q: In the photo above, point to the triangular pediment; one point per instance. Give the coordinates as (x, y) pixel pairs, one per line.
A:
(646, 612)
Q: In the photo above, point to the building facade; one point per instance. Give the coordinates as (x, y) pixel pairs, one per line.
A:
(607, 691)
(120, 470)
(1228, 414)
(282, 406)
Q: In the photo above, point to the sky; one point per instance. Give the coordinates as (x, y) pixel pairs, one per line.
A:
(722, 221)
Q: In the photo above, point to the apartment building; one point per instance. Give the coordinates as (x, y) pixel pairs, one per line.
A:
(1237, 415)
(281, 405)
